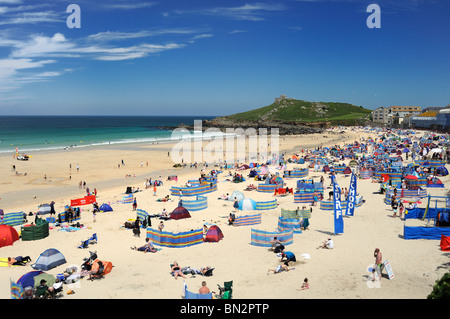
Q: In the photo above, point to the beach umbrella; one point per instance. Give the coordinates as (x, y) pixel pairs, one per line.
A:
(411, 177)
(50, 279)
(405, 150)
(8, 235)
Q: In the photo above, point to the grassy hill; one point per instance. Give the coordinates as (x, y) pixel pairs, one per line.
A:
(303, 112)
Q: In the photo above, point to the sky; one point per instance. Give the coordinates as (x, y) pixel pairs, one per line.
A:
(219, 57)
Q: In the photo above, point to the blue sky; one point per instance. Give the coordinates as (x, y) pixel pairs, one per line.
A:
(216, 57)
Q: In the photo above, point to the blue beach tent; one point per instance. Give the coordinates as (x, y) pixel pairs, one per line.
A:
(49, 259)
(27, 280)
(106, 208)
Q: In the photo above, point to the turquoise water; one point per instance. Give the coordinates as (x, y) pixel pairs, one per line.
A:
(33, 133)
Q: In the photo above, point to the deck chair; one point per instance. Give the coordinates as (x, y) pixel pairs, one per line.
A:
(93, 239)
(99, 273)
(84, 244)
(209, 272)
(227, 287)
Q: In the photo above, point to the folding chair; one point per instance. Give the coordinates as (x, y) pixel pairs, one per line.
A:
(93, 239)
(227, 288)
(84, 244)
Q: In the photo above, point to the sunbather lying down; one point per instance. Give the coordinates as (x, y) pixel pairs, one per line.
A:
(279, 269)
(203, 271)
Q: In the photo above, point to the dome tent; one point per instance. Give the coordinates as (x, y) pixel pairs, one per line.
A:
(8, 235)
(27, 280)
(106, 208)
(179, 213)
(247, 204)
(49, 259)
(236, 195)
(214, 234)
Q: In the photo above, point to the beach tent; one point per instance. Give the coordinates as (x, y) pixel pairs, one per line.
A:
(179, 213)
(44, 209)
(236, 195)
(441, 171)
(49, 259)
(106, 208)
(8, 235)
(347, 171)
(435, 182)
(27, 280)
(247, 204)
(50, 279)
(445, 243)
(214, 234)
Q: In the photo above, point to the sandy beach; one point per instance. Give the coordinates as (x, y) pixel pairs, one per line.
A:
(340, 273)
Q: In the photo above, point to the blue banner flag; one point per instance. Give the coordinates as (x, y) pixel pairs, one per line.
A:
(351, 199)
(338, 219)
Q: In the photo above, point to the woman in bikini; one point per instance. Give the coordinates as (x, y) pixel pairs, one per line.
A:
(176, 269)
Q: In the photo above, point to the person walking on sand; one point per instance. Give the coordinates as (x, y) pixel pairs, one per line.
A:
(154, 189)
(135, 204)
(94, 214)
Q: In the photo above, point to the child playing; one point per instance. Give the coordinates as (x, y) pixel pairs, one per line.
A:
(305, 285)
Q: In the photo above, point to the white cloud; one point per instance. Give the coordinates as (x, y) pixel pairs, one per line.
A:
(40, 45)
(131, 6)
(32, 18)
(117, 36)
(238, 31)
(250, 12)
(10, 76)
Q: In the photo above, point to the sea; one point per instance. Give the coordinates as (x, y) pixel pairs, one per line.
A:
(25, 134)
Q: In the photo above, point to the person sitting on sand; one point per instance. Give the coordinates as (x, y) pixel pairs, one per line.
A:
(277, 246)
(176, 270)
(279, 269)
(204, 289)
(148, 247)
(328, 243)
(305, 285)
(231, 219)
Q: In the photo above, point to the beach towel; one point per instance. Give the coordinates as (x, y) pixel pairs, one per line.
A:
(4, 262)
